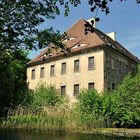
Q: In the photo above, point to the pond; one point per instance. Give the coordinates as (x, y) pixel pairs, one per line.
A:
(33, 135)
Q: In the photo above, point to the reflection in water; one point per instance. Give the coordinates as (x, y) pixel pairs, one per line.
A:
(32, 135)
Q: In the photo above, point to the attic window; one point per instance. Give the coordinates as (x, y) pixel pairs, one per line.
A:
(50, 55)
(123, 50)
(102, 36)
(68, 39)
(79, 45)
(44, 55)
(111, 45)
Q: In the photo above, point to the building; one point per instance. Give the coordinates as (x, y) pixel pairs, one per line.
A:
(96, 61)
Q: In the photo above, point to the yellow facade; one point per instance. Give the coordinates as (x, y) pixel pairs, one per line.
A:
(82, 77)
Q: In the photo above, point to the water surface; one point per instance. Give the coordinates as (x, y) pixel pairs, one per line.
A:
(33, 135)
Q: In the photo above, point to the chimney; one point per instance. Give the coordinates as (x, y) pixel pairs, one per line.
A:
(92, 22)
(112, 35)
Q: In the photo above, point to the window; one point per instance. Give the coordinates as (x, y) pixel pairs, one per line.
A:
(76, 89)
(133, 70)
(33, 74)
(113, 86)
(120, 66)
(76, 65)
(52, 70)
(63, 90)
(91, 86)
(42, 72)
(112, 63)
(63, 68)
(127, 68)
(91, 63)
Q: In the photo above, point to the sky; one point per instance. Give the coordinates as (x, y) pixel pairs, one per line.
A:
(124, 19)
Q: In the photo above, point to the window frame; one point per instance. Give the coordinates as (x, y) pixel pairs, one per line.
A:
(42, 72)
(113, 86)
(63, 68)
(76, 89)
(63, 93)
(90, 84)
(52, 70)
(120, 66)
(91, 64)
(112, 63)
(33, 74)
(76, 67)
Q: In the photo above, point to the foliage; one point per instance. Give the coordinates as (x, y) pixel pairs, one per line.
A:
(125, 100)
(118, 108)
(90, 102)
(12, 78)
(20, 20)
(102, 4)
(45, 96)
(90, 109)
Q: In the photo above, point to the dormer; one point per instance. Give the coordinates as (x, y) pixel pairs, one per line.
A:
(79, 45)
(71, 38)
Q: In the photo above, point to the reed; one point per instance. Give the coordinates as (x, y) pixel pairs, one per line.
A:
(55, 118)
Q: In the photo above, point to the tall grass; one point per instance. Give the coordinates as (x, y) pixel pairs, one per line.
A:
(46, 109)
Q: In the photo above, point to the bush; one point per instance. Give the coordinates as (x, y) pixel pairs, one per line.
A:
(44, 95)
(90, 108)
(125, 103)
(118, 108)
(90, 102)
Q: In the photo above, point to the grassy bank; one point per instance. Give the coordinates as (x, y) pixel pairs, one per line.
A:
(56, 118)
(61, 119)
(45, 109)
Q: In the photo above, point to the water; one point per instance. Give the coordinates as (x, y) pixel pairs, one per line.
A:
(32, 135)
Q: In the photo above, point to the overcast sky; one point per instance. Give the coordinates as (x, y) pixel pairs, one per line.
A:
(124, 19)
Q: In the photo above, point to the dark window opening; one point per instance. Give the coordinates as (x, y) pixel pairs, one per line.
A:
(76, 65)
(63, 68)
(91, 63)
(113, 86)
(33, 74)
(63, 90)
(52, 70)
(42, 72)
(120, 66)
(90, 86)
(76, 89)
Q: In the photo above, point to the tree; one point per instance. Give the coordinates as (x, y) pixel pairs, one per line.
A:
(12, 79)
(19, 20)
(102, 4)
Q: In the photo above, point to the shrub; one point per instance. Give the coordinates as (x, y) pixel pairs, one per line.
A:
(118, 108)
(125, 107)
(44, 95)
(90, 102)
(90, 107)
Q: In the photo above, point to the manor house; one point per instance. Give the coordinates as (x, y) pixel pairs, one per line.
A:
(95, 61)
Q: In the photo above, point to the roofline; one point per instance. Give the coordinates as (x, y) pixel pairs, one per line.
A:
(61, 56)
(74, 24)
(130, 55)
(136, 61)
